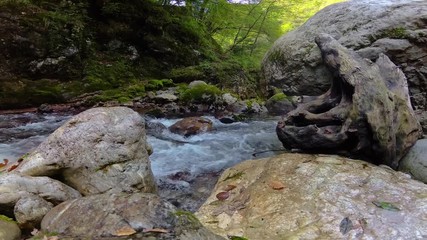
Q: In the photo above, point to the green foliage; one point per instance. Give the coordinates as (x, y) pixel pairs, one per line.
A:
(121, 95)
(200, 94)
(397, 33)
(108, 75)
(279, 97)
(6, 219)
(155, 84)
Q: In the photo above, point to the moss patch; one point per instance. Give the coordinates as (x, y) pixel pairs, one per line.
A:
(6, 219)
(279, 97)
(200, 94)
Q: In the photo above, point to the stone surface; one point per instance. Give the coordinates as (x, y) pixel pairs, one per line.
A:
(29, 211)
(191, 126)
(99, 150)
(279, 106)
(14, 187)
(300, 196)
(415, 162)
(137, 216)
(397, 28)
(366, 113)
(9, 230)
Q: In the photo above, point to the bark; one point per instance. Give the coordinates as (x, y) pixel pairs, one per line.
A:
(366, 113)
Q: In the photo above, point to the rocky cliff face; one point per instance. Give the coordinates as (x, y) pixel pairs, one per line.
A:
(397, 28)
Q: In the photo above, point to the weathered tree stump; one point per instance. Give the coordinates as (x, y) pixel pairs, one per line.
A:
(366, 113)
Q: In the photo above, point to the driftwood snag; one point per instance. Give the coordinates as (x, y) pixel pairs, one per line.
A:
(366, 113)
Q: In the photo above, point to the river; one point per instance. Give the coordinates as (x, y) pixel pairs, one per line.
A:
(186, 169)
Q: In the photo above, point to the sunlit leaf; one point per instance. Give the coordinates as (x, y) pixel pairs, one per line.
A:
(276, 185)
(236, 238)
(125, 231)
(386, 206)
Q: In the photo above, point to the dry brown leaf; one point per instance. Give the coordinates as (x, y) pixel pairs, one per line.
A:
(4, 163)
(125, 231)
(35, 232)
(11, 168)
(229, 187)
(157, 230)
(276, 185)
(222, 196)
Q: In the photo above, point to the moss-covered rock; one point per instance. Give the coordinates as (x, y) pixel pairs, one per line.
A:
(200, 94)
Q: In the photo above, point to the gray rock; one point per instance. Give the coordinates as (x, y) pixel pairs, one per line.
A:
(14, 187)
(165, 97)
(196, 83)
(135, 215)
(99, 150)
(277, 106)
(229, 99)
(415, 162)
(301, 196)
(29, 211)
(397, 28)
(9, 230)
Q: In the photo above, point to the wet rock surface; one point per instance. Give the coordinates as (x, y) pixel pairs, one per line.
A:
(99, 150)
(124, 216)
(415, 162)
(315, 197)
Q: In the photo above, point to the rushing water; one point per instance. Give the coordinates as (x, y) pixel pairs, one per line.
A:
(185, 168)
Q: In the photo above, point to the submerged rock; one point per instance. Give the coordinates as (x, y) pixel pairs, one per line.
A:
(136, 216)
(191, 126)
(99, 150)
(299, 196)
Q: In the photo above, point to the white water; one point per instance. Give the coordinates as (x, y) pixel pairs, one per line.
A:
(227, 145)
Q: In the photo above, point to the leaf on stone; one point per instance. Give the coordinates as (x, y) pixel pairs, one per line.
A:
(157, 230)
(229, 187)
(276, 185)
(386, 206)
(346, 225)
(4, 163)
(223, 196)
(125, 231)
(13, 167)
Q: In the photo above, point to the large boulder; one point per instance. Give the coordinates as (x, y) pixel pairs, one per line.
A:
(96, 151)
(415, 162)
(9, 230)
(365, 113)
(397, 28)
(124, 216)
(299, 196)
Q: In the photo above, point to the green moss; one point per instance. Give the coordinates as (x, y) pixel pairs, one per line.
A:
(6, 219)
(187, 219)
(200, 94)
(121, 95)
(155, 84)
(279, 97)
(396, 33)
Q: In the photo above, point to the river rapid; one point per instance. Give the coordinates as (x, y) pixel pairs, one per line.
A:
(186, 169)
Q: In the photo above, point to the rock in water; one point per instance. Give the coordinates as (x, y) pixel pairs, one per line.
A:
(191, 126)
(366, 112)
(323, 197)
(397, 28)
(131, 216)
(99, 150)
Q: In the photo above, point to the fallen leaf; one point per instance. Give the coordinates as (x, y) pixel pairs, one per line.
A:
(276, 185)
(13, 167)
(157, 230)
(53, 238)
(386, 206)
(223, 195)
(346, 225)
(229, 187)
(236, 238)
(5, 162)
(125, 231)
